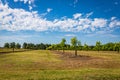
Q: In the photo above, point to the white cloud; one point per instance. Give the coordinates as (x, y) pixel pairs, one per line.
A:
(70, 35)
(49, 9)
(29, 2)
(113, 18)
(25, 1)
(114, 23)
(77, 15)
(19, 19)
(89, 14)
(15, 0)
(30, 7)
(99, 22)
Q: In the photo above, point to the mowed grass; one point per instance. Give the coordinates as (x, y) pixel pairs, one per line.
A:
(47, 65)
(10, 50)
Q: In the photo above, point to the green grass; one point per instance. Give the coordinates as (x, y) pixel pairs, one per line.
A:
(46, 65)
(10, 50)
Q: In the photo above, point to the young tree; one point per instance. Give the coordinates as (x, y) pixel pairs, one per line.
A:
(12, 45)
(74, 42)
(98, 45)
(18, 46)
(6, 45)
(79, 45)
(62, 43)
(58, 47)
(117, 47)
(86, 47)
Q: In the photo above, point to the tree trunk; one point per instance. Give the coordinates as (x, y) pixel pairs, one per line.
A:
(118, 50)
(13, 49)
(98, 51)
(75, 52)
(63, 50)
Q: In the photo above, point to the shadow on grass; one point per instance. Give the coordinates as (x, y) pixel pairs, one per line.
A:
(72, 56)
(7, 52)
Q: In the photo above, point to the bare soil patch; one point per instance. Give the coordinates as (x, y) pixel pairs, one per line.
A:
(71, 61)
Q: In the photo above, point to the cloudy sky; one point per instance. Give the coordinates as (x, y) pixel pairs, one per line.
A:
(49, 21)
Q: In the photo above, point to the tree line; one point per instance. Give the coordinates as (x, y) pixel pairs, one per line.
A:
(25, 45)
(75, 45)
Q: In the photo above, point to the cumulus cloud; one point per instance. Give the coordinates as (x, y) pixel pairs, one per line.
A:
(25, 1)
(89, 14)
(15, 0)
(77, 15)
(19, 19)
(113, 18)
(114, 23)
(99, 22)
(49, 9)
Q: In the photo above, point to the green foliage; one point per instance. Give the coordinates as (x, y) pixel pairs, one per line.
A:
(17, 46)
(117, 47)
(12, 45)
(74, 41)
(35, 46)
(24, 45)
(86, 47)
(62, 43)
(6, 45)
(75, 45)
(98, 45)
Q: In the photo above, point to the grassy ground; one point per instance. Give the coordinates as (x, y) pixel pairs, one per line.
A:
(53, 65)
(10, 50)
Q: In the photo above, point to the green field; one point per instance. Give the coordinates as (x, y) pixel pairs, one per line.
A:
(53, 65)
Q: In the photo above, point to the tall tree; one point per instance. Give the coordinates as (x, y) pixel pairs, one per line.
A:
(62, 43)
(6, 45)
(98, 45)
(18, 46)
(12, 45)
(74, 42)
(24, 45)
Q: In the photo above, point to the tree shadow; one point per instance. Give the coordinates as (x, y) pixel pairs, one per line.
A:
(69, 55)
(1, 53)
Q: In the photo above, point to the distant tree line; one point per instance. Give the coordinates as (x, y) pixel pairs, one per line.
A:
(12, 45)
(25, 45)
(75, 45)
(41, 46)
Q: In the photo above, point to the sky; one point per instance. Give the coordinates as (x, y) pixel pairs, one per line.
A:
(48, 21)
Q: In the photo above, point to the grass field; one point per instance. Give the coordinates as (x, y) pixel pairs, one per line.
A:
(53, 65)
(10, 50)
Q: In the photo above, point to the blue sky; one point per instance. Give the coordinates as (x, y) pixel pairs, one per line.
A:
(49, 21)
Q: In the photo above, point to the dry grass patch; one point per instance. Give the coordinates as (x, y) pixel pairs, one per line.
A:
(52, 65)
(91, 59)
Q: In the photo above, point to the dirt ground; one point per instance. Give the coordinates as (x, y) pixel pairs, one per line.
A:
(70, 61)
